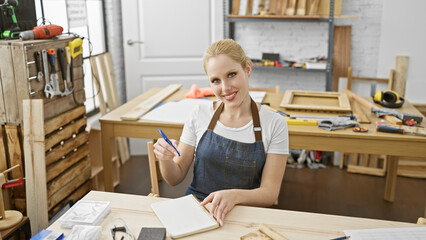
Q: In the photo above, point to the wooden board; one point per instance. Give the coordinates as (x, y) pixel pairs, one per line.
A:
(11, 105)
(235, 7)
(399, 81)
(3, 147)
(342, 53)
(249, 8)
(35, 167)
(148, 104)
(319, 101)
(67, 148)
(63, 119)
(301, 8)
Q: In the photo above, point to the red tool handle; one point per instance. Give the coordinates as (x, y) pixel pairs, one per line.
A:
(13, 183)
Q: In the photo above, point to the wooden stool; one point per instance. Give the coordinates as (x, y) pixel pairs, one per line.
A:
(22, 226)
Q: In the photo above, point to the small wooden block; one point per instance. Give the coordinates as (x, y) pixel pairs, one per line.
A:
(255, 235)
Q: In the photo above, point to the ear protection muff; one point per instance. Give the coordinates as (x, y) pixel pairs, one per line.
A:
(389, 99)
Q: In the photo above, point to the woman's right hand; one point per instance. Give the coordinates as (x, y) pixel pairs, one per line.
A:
(163, 151)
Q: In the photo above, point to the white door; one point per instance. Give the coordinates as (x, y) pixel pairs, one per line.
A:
(164, 41)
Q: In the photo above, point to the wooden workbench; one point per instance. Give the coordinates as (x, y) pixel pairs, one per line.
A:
(136, 213)
(301, 137)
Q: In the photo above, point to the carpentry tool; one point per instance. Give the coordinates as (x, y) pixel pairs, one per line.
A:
(402, 116)
(48, 89)
(9, 28)
(75, 50)
(38, 66)
(53, 74)
(63, 65)
(41, 32)
(389, 129)
(292, 121)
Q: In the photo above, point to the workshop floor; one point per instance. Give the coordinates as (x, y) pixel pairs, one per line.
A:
(330, 191)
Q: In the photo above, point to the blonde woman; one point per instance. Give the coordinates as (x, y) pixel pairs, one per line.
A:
(240, 148)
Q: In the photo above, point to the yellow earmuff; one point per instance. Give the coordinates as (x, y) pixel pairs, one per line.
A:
(389, 99)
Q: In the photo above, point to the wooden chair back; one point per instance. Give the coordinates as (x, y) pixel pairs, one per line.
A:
(389, 80)
(153, 170)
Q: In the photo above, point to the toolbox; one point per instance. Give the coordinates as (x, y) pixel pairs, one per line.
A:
(18, 79)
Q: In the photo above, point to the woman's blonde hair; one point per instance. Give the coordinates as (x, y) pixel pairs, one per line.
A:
(228, 47)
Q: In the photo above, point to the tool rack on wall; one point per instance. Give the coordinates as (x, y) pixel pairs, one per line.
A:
(229, 25)
(67, 166)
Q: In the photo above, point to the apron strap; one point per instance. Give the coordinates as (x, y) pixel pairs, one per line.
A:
(255, 115)
(256, 121)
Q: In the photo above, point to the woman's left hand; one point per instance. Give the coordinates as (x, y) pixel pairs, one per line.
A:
(222, 202)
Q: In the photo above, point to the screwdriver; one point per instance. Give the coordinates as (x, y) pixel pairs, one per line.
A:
(385, 128)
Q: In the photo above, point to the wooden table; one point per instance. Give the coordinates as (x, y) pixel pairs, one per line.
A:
(301, 137)
(136, 212)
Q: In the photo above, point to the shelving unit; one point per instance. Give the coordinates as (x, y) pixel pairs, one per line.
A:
(230, 20)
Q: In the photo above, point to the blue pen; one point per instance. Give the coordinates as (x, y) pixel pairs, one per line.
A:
(168, 141)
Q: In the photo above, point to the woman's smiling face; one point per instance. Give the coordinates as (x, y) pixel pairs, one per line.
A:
(228, 79)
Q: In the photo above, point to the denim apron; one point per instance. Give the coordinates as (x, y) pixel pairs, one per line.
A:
(222, 163)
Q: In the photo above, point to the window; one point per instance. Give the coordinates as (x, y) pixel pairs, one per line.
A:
(55, 12)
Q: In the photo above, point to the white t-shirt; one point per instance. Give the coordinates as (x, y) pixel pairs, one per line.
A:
(274, 129)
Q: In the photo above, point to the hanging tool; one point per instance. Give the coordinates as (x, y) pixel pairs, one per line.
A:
(41, 32)
(53, 73)
(63, 65)
(48, 89)
(389, 129)
(38, 66)
(75, 50)
(9, 28)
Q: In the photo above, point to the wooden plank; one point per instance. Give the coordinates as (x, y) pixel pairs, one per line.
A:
(14, 149)
(57, 183)
(373, 160)
(366, 170)
(20, 68)
(282, 7)
(75, 196)
(342, 52)
(400, 77)
(301, 8)
(312, 100)
(235, 7)
(35, 170)
(272, 7)
(291, 8)
(66, 133)
(2, 106)
(113, 101)
(59, 152)
(148, 104)
(392, 167)
(359, 113)
(368, 105)
(63, 104)
(68, 188)
(111, 80)
(153, 169)
(383, 80)
(9, 88)
(63, 119)
(313, 8)
(58, 168)
(353, 159)
(96, 75)
(363, 160)
(3, 158)
(249, 8)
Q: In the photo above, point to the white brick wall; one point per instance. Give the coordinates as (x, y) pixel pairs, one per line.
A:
(310, 39)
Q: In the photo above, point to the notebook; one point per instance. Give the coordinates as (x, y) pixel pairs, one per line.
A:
(184, 216)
